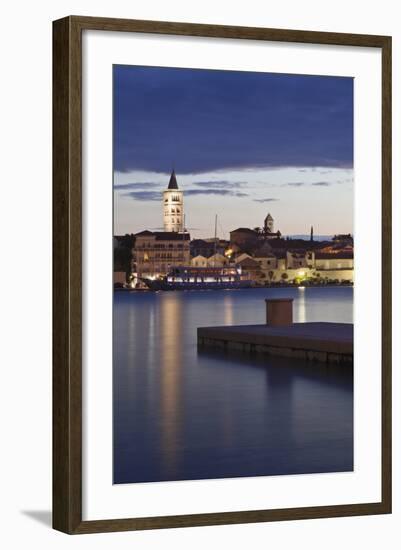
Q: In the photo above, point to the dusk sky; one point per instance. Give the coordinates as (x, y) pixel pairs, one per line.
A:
(242, 144)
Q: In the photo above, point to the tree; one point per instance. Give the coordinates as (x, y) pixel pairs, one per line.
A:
(284, 276)
(122, 259)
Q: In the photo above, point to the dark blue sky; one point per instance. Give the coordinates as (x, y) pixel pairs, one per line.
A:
(203, 120)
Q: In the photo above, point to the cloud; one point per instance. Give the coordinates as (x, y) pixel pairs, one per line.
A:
(302, 183)
(265, 200)
(221, 184)
(222, 192)
(204, 120)
(136, 185)
(347, 180)
(156, 195)
(144, 195)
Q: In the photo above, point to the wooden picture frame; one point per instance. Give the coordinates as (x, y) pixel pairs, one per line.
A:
(67, 274)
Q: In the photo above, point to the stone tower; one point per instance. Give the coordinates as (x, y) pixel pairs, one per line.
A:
(173, 206)
(269, 224)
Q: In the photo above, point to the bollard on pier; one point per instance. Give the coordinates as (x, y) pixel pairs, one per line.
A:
(279, 312)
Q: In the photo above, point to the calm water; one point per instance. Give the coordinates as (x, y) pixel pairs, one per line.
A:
(180, 414)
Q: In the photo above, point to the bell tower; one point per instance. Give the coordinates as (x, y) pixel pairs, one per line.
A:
(173, 206)
(269, 224)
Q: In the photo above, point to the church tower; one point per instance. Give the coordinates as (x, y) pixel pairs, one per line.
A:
(269, 224)
(173, 206)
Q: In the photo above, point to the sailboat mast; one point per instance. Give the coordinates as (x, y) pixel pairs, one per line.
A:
(183, 239)
(215, 240)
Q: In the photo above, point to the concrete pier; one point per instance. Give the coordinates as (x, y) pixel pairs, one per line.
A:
(324, 342)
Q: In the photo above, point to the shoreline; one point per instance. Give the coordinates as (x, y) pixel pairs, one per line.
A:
(265, 287)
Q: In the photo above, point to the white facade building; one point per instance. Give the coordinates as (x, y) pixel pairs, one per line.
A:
(199, 261)
(217, 260)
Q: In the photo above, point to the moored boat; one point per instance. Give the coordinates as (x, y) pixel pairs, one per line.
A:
(201, 278)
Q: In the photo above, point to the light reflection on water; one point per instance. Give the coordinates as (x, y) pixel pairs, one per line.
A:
(180, 414)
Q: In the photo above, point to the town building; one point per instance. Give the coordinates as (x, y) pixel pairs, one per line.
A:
(300, 258)
(268, 228)
(156, 252)
(329, 261)
(267, 263)
(173, 206)
(199, 261)
(243, 237)
(217, 260)
(296, 260)
(252, 267)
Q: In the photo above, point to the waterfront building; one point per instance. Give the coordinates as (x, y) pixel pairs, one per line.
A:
(337, 266)
(281, 261)
(173, 206)
(241, 257)
(264, 255)
(199, 261)
(217, 260)
(287, 264)
(330, 261)
(267, 262)
(251, 267)
(300, 258)
(156, 252)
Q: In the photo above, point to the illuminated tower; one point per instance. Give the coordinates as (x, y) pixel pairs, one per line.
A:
(173, 206)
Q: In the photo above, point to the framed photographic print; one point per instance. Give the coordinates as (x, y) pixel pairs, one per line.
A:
(222, 274)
